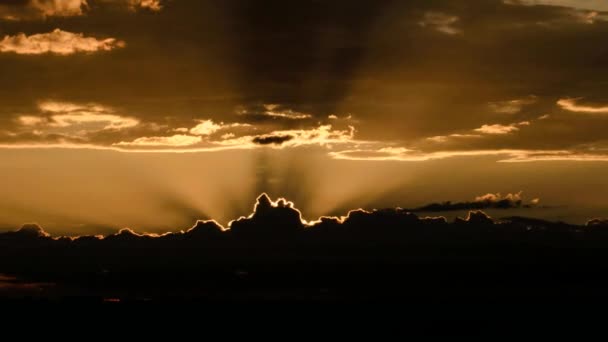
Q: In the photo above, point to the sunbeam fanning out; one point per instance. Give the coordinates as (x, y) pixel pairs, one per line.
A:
(135, 135)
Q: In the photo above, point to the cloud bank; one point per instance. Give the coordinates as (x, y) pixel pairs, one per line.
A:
(275, 251)
(488, 201)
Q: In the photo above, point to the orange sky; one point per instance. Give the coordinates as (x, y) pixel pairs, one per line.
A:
(152, 113)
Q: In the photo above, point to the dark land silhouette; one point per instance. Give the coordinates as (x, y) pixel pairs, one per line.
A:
(388, 255)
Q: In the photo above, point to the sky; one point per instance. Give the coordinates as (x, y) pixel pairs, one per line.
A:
(151, 114)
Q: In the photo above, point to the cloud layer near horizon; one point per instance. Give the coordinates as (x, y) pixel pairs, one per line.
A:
(281, 216)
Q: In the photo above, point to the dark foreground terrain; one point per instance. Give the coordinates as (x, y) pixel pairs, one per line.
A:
(473, 267)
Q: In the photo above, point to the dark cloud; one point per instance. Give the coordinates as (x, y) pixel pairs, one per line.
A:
(269, 219)
(488, 201)
(597, 223)
(272, 139)
(271, 247)
(31, 230)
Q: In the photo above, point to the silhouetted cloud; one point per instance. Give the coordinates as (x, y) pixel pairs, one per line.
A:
(272, 139)
(597, 223)
(276, 246)
(269, 219)
(488, 201)
(32, 230)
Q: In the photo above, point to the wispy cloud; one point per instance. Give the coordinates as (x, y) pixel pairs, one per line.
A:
(72, 120)
(209, 127)
(171, 141)
(505, 155)
(594, 5)
(512, 106)
(577, 11)
(273, 111)
(441, 22)
(571, 105)
(444, 138)
(67, 114)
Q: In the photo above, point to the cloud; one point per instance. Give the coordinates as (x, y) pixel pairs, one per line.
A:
(274, 252)
(572, 106)
(172, 141)
(568, 11)
(512, 106)
(66, 114)
(278, 218)
(272, 111)
(32, 230)
(64, 124)
(444, 138)
(30, 120)
(34, 9)
(107, 121)
(484, 130)
(488, 201)
(505, 155)
(597, 223)
(272, 139)
(324, 136)
(57, 42)
(497, 129)
(41, 9)
(69, 123)
(152, 5)
(441, 22)
(52, 106)
(134, 5)
(208, 127)
(205, 127)
(594, 5)
(496, 198)
(61, 8)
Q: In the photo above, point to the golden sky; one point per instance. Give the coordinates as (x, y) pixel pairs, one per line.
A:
(152, 113)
